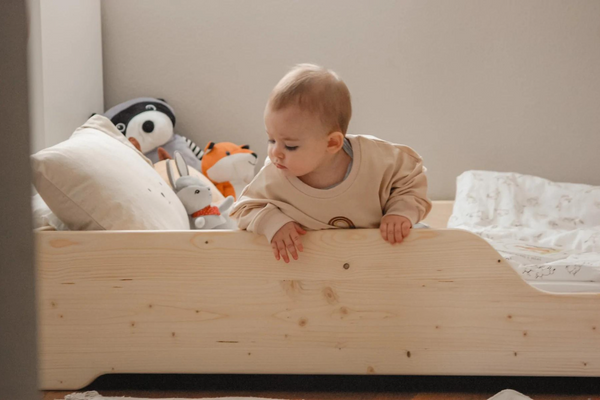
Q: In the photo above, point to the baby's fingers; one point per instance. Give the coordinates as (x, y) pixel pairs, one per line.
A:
(297, 241)
(405, 229)
(398, 231)
(291, 247)
(299, 229)
(391, 233)
(282, 251)
(383, 230)
(275, 250)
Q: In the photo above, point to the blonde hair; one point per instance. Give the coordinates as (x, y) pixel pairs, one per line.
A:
(317, 90)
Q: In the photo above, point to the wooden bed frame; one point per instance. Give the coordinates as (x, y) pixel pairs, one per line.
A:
(442, 303)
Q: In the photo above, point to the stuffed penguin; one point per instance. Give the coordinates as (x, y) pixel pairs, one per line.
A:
(151, 122)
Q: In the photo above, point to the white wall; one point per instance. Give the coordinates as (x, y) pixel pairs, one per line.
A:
(65, 67)
(470, 84)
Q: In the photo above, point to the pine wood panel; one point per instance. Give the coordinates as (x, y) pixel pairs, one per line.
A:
(441, 303)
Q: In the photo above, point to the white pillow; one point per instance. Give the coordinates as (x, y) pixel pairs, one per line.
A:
(44, 217)
(97, 180)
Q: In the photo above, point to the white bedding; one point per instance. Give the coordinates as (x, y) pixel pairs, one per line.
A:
(43, 216)
(548, 231)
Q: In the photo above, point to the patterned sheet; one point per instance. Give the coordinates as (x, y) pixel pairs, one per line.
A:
(548, 231)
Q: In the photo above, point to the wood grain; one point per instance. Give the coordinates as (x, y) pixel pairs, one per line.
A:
(442, 303)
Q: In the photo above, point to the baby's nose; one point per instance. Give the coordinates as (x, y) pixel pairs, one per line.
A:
(276, 154)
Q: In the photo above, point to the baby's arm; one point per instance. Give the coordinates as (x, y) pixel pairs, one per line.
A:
(257, 212)
(259, 216)
(407, 203)
(266, 219)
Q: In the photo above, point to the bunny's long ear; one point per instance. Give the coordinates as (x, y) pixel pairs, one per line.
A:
(181, 165)
(171, 175)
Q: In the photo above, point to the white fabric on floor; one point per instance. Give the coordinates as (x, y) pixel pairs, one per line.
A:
(503, 395)
(93, 395)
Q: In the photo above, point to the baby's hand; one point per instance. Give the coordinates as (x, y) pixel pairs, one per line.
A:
(394, 228)
(287, 239)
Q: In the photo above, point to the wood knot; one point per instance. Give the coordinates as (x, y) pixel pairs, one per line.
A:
(515, 353)
(509, 317)
(292, 287)
(370, 370)
(173, 334)
(302, 322)
(133, 324)
(525, 333)
(344, 311)
(346, 266)
(408, 354)
(330, 295)
(60, 243)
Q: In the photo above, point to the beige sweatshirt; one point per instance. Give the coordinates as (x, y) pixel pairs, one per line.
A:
(385, 179)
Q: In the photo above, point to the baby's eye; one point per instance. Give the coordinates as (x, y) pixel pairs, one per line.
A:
(271, 141)
(291, 148)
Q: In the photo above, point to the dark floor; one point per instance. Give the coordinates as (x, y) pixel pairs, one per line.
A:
(340, 387)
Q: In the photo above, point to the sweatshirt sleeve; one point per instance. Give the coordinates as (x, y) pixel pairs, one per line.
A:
(259, 217)
(254, 211)
(408, 191)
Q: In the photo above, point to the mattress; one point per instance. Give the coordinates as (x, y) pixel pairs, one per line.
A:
(551, 268)
(548, 231)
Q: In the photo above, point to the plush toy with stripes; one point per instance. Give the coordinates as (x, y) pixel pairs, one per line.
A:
(151, 122)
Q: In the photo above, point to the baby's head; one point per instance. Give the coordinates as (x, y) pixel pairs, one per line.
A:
(306, 118)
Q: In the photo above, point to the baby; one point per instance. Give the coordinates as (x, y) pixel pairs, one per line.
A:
(317, 177)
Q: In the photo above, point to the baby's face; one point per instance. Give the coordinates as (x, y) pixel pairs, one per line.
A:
(297, 140)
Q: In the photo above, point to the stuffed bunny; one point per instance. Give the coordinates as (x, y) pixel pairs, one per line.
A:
(196, 198)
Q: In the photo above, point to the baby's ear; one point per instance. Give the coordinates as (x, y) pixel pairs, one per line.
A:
(335, 142)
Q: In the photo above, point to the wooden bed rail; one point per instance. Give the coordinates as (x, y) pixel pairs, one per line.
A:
(441, 303)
